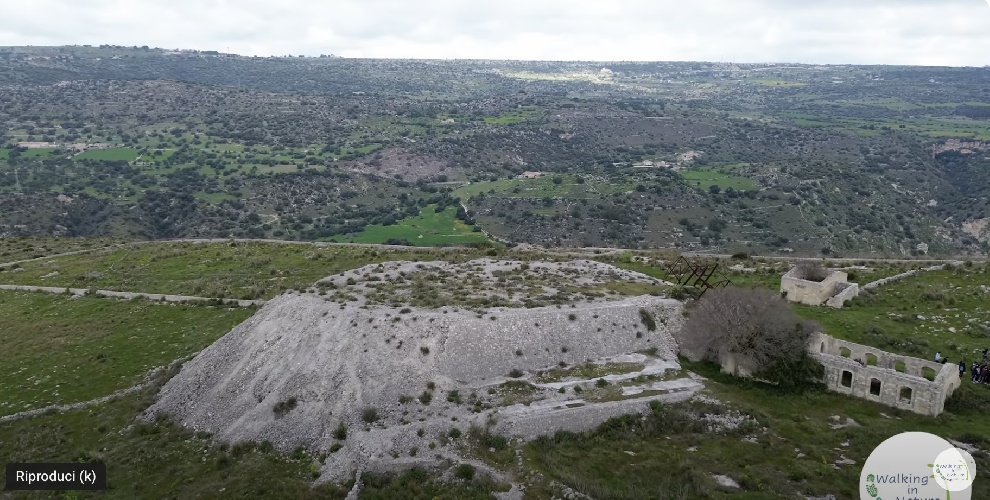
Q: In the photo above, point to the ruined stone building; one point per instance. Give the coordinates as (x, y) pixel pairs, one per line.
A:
(833, 291)
(866, 372)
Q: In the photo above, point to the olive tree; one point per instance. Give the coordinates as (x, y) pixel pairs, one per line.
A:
(750, 332)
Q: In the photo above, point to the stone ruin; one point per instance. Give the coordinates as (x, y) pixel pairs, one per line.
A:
(866, 372)
(833, 290)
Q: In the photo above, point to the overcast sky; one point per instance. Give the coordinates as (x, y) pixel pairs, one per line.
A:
(924, 32)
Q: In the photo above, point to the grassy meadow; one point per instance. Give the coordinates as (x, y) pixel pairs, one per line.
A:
(429, 228)
(63, 349)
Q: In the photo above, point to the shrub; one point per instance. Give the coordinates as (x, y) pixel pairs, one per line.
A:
(369, 414)
(454, 397)
(464, 471)
(340, 432)
(572, 316)
(647, 319)
(519, 352)
(426, 397)
(811, 271)
(283, 407)
(601, 382)
(334, 448)
(515, 373)
(454, 433)
(425, 350)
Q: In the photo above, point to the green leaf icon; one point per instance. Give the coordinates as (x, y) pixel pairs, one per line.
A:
(869, 478)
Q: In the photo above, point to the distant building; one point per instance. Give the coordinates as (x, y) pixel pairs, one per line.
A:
(530, 175)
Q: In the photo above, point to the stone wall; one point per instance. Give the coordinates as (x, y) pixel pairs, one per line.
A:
(812, 293)
(846, 292)
(898, 277)
(891, 379)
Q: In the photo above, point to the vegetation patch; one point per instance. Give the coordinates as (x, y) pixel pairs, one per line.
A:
(60, 349)
(429, 228)
(110, 154)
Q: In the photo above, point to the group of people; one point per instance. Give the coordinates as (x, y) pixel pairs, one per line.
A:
(979, 371)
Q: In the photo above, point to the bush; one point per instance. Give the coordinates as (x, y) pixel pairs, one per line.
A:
(755, 330)
(601, 382)
(340, 432)
(811, 271)
(454, 397)
(283, 407)
(572, 316)
(426, 397)
(464, 471)
(647, 318)
(425, 350)
(454, 433)
(515, 373)
(369, 414)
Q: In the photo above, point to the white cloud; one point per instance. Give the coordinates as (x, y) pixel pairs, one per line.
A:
(942, 32)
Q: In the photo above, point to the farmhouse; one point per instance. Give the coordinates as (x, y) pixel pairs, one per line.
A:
(832, 289)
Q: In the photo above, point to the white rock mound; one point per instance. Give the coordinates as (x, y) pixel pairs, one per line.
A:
(336, 361)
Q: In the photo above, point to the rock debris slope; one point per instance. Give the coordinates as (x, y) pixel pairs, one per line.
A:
(305, 366)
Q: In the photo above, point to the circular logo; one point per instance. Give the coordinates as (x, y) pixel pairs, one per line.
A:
(917, 465)
(954, 469)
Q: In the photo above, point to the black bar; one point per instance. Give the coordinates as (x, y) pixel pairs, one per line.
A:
(91, 476)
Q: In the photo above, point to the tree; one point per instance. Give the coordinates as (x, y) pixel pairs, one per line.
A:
(750, 332)
(714, 189)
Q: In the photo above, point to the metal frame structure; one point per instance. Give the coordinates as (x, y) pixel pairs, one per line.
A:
(700, 277)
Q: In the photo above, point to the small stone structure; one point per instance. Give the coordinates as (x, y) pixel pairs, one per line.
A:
(899, 381)
(833, 291)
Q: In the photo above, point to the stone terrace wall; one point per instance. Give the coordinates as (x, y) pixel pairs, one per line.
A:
(882, 382)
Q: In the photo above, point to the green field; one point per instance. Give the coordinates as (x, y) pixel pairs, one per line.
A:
(426, 229)
(706, 177)
(569, 187)
(60, 349)
(226, 270)
(518, 116)
(112, 154)
(38, 152)
(4, 154)
(934, 311)
(668, 455)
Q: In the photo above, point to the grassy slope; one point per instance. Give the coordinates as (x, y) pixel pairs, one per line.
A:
(240, 270)
(59, 349)
(662, 466)
(427, 229)
(13, 249)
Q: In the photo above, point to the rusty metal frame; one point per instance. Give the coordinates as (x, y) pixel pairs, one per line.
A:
(700, 277)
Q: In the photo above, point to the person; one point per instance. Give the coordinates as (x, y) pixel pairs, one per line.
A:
(962, 368)
(938, 356)
(984, 354)
(974, 371)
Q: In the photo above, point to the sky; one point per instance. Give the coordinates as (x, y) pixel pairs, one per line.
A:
(915, 32)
